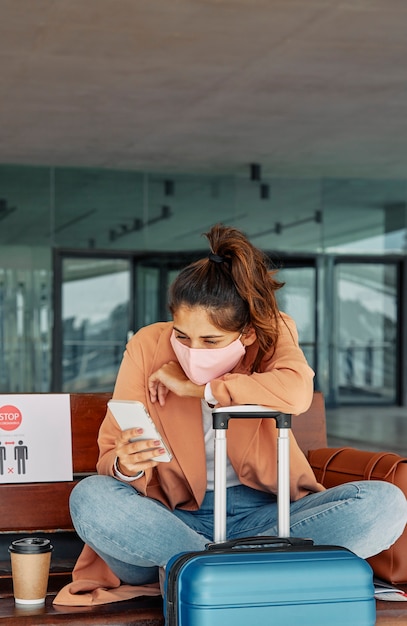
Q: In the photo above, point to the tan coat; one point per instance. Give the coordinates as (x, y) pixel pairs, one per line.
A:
(285, 383)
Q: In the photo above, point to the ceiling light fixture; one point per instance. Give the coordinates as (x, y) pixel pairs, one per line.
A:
(264, 191)
(279, 227)
(169, 188)
(138, 224)
(5, 210)
(255, 171)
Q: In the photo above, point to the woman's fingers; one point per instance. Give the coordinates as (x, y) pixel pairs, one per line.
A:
(134, 453)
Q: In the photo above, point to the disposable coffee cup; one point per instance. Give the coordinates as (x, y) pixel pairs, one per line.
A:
(30, 564)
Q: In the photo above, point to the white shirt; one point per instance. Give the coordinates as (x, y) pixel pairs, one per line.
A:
(231, 477)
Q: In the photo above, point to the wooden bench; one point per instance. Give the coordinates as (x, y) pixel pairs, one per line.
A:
(42, 509)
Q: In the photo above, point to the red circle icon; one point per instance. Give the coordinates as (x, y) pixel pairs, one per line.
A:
(10, 417)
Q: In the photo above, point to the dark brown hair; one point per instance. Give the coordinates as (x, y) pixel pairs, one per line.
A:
(235, 285)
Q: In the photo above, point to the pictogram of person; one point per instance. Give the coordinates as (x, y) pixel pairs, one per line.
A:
(21, 455)
(2, 458)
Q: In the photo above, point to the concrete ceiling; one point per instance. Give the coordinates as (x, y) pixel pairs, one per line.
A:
(304, 87)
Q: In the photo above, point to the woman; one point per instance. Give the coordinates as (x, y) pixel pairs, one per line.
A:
(227, 344)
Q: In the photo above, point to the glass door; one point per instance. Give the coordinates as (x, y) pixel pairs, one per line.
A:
(365, 343)
(95, 320)
(298, 299)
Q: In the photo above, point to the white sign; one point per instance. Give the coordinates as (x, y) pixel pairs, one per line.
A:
(35, 438)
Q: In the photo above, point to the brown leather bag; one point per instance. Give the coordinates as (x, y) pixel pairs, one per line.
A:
(335, 466)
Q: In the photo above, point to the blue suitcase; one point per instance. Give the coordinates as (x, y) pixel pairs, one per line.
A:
(266, 580)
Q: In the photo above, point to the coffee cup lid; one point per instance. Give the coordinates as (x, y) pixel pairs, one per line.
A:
(31, 545)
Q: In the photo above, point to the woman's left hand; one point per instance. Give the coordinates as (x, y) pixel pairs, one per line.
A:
(171, 377)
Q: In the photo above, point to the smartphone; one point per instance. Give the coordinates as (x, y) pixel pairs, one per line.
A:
(133, 414)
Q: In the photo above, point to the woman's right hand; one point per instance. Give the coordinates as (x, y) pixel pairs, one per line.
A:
(135, 454)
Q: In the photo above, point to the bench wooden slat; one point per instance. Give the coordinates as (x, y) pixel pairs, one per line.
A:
(140, 612)
(87, 413)
(35, 506)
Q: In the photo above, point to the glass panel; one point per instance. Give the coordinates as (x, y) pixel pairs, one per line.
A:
(107, 209)
(95, 319)
(368, 216)
(25, 321)
(25, 206)
(366, 348)
(147, 298)
(171, 276)
(96, 208)
(288, 219)
(297, 298)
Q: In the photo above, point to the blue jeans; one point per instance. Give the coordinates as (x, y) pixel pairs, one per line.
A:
(135, 535)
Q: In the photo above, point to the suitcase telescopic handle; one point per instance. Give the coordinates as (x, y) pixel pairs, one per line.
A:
(221, 417)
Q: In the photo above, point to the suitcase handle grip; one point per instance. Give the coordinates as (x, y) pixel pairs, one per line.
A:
(222, 415)
(259, 542)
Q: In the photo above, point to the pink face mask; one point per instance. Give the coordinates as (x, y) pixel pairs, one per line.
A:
(202, 365)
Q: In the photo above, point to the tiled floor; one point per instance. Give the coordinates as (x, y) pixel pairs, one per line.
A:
(368, 428)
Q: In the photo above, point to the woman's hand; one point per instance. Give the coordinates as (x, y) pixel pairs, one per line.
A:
(135, 454)
(171, 377)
